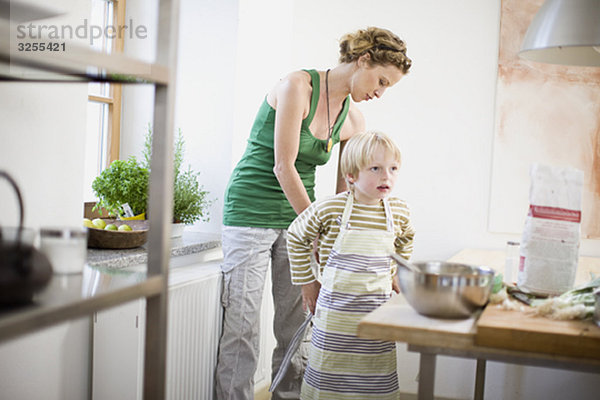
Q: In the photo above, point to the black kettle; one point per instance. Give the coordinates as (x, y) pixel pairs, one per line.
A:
(24, 270)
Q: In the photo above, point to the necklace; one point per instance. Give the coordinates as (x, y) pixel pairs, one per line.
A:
(329, 127)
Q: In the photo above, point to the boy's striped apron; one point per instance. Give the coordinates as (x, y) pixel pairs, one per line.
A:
(355, 281)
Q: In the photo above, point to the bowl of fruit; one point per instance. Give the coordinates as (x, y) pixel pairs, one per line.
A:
(106, 233)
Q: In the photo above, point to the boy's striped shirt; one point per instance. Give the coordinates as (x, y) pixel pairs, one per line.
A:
(323, 217)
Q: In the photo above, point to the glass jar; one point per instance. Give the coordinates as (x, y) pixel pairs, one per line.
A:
(511, 265)
(65, 247)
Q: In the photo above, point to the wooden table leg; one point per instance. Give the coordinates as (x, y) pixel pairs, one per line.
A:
(426, 376)
(480, 379)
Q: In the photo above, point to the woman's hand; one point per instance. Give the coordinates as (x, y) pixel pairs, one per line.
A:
(310, 293)
(315, 250)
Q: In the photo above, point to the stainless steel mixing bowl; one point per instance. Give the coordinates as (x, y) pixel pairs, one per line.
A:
(446, 290)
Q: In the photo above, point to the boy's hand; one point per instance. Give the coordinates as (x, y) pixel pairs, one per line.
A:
(396, 283)
(310, 293)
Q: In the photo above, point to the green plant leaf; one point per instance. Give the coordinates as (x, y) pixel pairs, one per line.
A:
(122, 182)
(190, 200)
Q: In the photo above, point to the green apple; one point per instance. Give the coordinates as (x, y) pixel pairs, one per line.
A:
(88, 223)
(99, 223)
(110, 227)
(125, 227)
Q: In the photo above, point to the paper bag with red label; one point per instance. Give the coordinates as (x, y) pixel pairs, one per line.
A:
(550, 244)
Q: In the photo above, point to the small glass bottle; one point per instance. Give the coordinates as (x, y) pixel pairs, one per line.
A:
(511, 264)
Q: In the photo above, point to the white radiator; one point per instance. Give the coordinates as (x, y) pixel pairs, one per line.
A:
(193, 338)
(194, 329)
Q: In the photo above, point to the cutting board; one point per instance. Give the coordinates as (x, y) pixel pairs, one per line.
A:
(518, 330)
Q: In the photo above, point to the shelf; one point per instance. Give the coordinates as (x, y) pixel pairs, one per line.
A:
(70, 62)
(22, 11)
(71, 296)
(111, 277)
(76, 296)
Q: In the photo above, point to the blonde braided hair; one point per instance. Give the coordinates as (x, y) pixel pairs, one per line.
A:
(383, 46)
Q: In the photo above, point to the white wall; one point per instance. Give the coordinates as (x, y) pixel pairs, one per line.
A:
(205, 87)
(41, 146)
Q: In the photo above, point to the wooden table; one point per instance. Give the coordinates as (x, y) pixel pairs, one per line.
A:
(397, 321)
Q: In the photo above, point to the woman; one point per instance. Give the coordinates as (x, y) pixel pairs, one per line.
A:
(300, 120)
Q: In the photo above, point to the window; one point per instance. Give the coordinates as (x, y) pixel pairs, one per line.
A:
(102, 140)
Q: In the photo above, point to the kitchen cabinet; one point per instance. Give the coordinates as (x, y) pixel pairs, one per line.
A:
(68, 297)
(118, 342)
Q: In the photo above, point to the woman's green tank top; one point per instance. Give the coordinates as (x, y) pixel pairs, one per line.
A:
(253, 196)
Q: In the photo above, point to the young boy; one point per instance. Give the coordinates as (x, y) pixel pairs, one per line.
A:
(357, 231)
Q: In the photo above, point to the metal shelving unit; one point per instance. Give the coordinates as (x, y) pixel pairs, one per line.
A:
(81, 64)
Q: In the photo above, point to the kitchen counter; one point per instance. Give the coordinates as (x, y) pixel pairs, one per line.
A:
(398, 321)
(188, 243)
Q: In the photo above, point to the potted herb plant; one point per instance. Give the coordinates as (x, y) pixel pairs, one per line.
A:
(190, 200)
(124, 181)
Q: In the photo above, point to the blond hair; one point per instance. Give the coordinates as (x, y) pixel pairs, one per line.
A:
(383, 47)
(358, 151)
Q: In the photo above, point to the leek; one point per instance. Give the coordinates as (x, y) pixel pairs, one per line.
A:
(577, 303)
